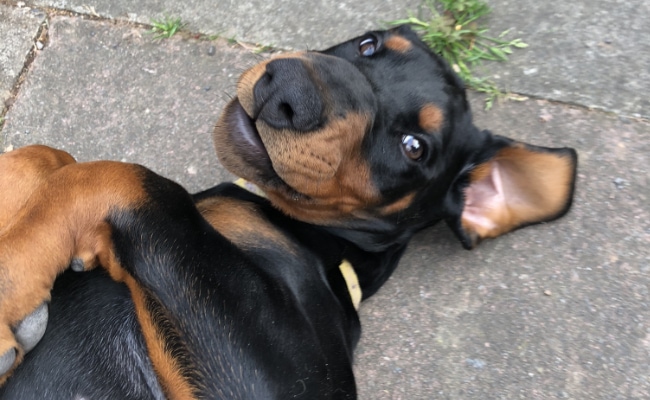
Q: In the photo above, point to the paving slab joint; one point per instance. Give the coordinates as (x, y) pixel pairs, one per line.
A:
(517, 96)
(39, 41)
(183, 33)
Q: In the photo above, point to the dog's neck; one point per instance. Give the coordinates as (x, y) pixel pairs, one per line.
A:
(346, 268)
(377, 237)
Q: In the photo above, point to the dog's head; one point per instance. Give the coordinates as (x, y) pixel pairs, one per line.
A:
(374, 138)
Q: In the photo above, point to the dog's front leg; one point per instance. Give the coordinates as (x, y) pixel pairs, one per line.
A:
(57, 219)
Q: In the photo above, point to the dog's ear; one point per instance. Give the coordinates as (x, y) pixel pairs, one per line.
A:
(509, 186)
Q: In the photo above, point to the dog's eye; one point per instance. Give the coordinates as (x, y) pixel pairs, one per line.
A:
(412, 147)
(368, 46)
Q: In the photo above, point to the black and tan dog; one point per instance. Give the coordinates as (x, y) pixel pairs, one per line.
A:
(227, 294)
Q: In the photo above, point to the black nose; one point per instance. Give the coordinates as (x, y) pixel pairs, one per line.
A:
(287, 96)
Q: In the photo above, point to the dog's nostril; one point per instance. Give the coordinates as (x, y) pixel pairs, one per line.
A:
(286, 110)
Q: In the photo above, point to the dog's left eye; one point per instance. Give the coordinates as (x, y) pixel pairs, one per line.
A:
(368, 46)
(412, 146)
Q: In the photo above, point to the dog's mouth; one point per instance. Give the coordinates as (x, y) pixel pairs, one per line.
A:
(241, 150)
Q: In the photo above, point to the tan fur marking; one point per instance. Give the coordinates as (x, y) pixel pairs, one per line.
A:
(536, 187)
(431, 118)
(176, 387)
(64, 217)
(399, 205)
(325, 165)
(22, 171)
(242, 223)
(398, 44)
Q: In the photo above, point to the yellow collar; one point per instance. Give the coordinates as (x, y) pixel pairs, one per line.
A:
(352, 281)
(251, 187)
(347, 270)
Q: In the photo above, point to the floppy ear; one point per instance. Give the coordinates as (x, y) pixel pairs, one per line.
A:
(518, 185)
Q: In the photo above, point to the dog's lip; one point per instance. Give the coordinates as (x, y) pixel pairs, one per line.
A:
(245, 136)
(249, 145)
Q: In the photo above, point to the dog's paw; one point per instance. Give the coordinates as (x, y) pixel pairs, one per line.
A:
(31, 330)
(23, 338)
(7, 360)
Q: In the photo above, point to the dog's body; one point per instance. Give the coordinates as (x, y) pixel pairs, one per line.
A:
(227, 294)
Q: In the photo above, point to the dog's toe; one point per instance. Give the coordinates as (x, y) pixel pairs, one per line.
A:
(7, 360)
(31, 330)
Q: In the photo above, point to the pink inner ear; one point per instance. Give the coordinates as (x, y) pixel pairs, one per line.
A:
(484, 199)
(519, 186)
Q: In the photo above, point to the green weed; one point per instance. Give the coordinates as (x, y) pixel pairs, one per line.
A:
(455, 34)
(165, 27)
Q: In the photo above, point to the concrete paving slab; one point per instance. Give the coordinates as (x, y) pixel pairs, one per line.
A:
(553, 311)
(284, 24)
(18, 28)
(558, 310)
(101, 91)
(593, 52)
(589, 52)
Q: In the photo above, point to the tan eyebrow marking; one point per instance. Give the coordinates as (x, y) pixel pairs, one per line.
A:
(431, 118)
(398, 43)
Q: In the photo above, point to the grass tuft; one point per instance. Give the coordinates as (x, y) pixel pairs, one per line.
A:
(455, 34)
(165, 27)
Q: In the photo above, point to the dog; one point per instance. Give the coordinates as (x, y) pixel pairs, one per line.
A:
(251, 290)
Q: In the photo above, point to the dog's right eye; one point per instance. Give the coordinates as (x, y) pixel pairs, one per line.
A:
(412, 146)
(368, 46)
